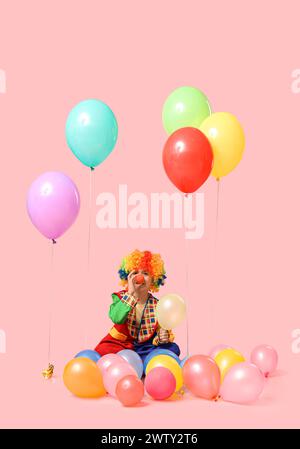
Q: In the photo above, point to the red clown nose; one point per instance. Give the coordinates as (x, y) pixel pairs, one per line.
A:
(139, 279)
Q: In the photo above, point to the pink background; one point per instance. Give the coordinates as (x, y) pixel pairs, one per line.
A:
(131, 55)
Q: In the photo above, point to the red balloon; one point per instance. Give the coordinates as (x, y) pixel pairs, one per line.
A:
(188, 159)
(130, 390)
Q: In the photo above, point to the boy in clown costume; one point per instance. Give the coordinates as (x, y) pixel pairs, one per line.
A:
(133, 309)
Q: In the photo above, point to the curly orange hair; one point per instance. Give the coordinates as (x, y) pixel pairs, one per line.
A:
(144, 260)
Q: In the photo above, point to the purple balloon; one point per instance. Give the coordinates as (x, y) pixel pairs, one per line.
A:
(53, 203)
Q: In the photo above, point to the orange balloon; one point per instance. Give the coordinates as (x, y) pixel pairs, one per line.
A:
(83, 378)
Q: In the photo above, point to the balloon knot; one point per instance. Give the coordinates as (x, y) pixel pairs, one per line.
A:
(92, 168)
(217, 398)
(54, 241)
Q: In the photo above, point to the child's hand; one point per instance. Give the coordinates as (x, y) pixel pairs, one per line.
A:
(163, 336)
(132, 287)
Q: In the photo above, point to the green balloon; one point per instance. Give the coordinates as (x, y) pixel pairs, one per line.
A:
(185, 106)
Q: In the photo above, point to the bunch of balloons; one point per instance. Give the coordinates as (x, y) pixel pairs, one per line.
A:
(89, 375)
(53, 200)
(200, 142)
(224, 373)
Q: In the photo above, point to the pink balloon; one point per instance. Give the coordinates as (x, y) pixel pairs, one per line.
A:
(53, 203)
(201, 375)
(107, 360)
(265, 358)
(216, 349)
(243, 383)
(114, 373)
(160, 383)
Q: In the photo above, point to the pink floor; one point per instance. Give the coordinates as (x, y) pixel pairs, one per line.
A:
(36, 403)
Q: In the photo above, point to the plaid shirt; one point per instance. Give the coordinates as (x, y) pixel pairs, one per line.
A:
(148, 325)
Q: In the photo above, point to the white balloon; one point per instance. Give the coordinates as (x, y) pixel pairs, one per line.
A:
(170, 311)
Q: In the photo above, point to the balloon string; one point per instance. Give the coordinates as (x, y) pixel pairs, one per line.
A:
(50, 299)
(187, 288)
(217, 219)
(215, 256)
(90, 216)
(91, 190)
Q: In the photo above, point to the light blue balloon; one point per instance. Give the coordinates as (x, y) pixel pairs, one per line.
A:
(160, 351)
(133, 359)
(90, 354)
(183, 361)
(91, 131)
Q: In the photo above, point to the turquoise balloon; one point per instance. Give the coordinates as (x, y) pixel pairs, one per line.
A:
(91, 132)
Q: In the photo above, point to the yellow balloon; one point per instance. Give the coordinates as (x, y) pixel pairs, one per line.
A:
(226, 359)
(227, 140)
(167, 362)
(83, 378)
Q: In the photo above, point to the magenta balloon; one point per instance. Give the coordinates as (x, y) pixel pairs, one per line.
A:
(243, 383)
(265, 358)
(160, 383)
(53, 203)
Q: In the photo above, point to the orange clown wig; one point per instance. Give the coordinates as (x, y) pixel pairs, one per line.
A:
(146, 261)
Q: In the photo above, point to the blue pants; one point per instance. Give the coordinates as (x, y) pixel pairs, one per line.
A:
(143, 349)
